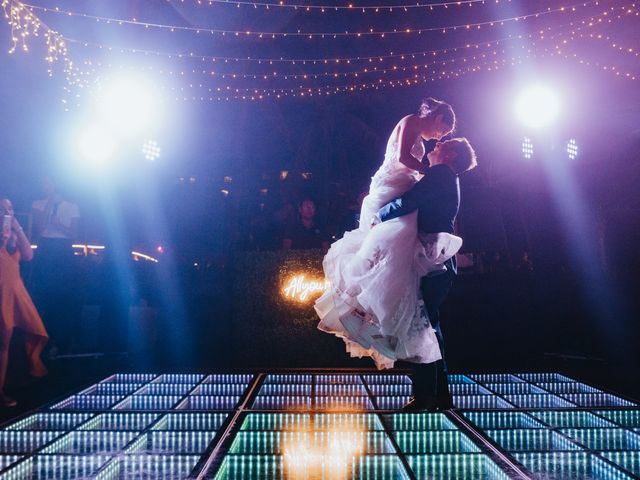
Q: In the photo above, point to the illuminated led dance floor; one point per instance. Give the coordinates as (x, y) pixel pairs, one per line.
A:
(325, 425)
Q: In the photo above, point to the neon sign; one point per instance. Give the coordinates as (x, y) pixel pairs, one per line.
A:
(298, 288)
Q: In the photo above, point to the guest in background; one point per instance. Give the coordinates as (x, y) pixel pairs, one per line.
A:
(16, 308)
(305, 233)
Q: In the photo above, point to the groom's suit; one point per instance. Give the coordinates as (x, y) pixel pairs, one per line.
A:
(437, 198)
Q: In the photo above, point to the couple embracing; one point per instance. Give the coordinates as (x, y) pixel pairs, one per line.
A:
(389, 276)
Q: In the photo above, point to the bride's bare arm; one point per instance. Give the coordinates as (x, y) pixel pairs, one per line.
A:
(409, 132)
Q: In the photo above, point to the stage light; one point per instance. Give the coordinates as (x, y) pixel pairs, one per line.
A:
(151, 150)
(96, 145)
(537, 107)
(572, 148)
(527, 148)
(128, 103)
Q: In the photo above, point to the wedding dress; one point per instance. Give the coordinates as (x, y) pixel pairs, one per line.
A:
(375, 272)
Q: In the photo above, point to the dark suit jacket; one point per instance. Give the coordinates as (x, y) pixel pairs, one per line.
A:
(436, 197)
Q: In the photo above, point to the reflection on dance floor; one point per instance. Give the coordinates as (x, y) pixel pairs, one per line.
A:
(325, 425)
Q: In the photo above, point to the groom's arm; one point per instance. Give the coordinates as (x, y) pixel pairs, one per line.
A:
(406, 204)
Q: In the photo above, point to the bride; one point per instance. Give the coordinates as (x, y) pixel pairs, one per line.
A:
(371, 270)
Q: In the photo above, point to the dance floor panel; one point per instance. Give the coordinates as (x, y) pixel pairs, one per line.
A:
(329, 425)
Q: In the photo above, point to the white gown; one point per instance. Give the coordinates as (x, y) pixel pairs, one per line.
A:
(375, 271)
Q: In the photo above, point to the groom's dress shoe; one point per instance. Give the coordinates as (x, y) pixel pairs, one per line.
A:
(420, 404)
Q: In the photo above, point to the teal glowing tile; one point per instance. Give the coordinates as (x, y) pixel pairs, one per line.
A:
(629, 461)
(389, 390)
(459, 379)
(121, 389)
(480, 402)
(288, 378)
(164, 442)
(530, 440)
(67, 467)
(419, 422)
(187, 378)
(394, 402)
(50, 421)
(154, 467)
(347, 421)
(514, 388)
(625, 418)
(138, 378)
(270, 442)
(355, 441)
(176, 389)
(91, 442)
(429, 442)
(604, 438)
(496, 378)
(568, 387)
(201, 402)
(21, 441)
(339, 379)
(569, 466)
(191, 421)
(88, 402)
(386, 379)
(502, 420)
(288, 402)
(254, 467)
(148, 402)
(597, 400)
(467, 466)
(8, 460)
(277, 421)
(575, 419)
(538, 401)
(544, 377)
(343, 403)
(468, 389)
(134, 422)
(325, 389)
(285, 389)
(229, 378)
(212, 389)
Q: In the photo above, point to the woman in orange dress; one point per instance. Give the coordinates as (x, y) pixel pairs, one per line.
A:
(16, 308)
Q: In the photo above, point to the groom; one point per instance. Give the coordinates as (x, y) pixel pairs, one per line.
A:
(437, 199)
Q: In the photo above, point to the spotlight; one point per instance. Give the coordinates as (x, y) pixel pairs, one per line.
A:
(537, 107)
(527, 148)
(572, 148)
(151, 150)
(96, 145)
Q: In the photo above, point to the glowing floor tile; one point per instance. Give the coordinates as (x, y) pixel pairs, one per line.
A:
(285, 389)
(153, 467)
(201, 402)
(139, 378)
(282, 403)
(91, 442)
(277, 421)
(229, 378)
(343, 403)
(502, 420)
(515, 388)
(389, 390)
(480, 402)
(148, 402)
(213, 389)
(121, 389)
(176, 389)
(88, 402)
(347, 421)
(18, 441)
(50, 421)
(459, 379)
(191, 421)
(597, 400)
(625, 418)
(569, 466)
(538, 401)
(394, 402)
(286, 378)
(161, 442)
(468, 389)
(339, 379)
(188, 378)
(571, 419)
(7, 460)
(448, 441)
(134, 422)
(530, 440)
(496, 378)
(387, 379)
(324, 389)
(568, 387)
(67, 467)
(269, 442)
(455, 467)
(604, 438)
(629, 461)
(419, 421)
(544, 377)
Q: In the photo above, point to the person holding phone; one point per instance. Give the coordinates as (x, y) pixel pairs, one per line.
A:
(16, 308)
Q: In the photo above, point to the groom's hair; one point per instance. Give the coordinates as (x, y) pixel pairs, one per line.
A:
(465, 157)
(432, 108)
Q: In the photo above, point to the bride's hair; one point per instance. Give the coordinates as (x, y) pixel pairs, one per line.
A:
(430, 107)
(465, 156)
